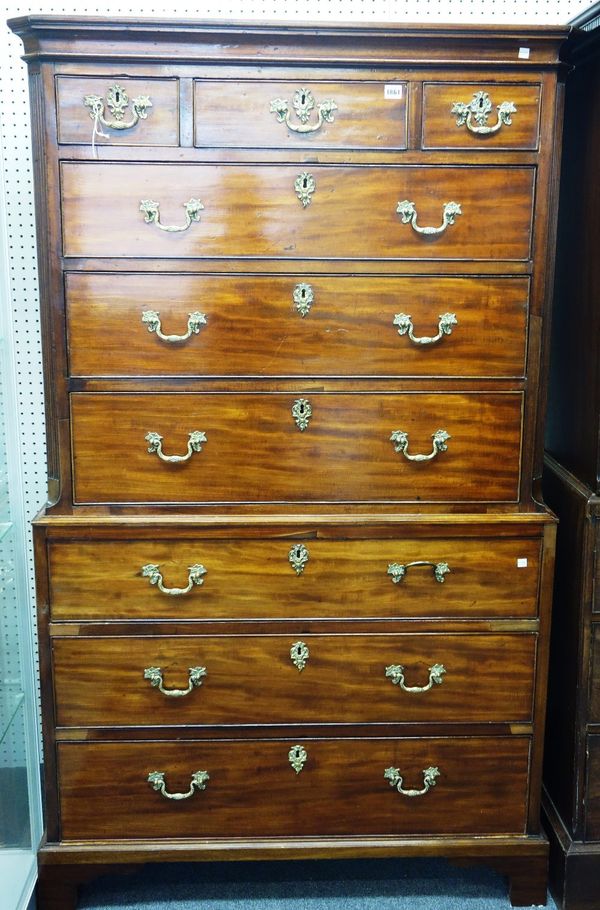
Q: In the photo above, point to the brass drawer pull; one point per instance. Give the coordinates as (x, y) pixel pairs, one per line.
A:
(153, 573)
(398, 570)
(156, 779)
(405, 327)
(304, 104)
(299, 654)
(196, 438)
(297, 757)
(478, 110)
(395, 672)
(151, 319)
(155, 675)
(408, 212)
(396, 780)
(400, 440)
(298, 557)
(117, 100)
(152, 214)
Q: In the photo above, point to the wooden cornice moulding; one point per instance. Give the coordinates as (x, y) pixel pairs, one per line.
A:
(74, 38)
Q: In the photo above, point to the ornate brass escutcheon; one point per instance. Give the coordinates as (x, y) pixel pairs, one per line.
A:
(298, 557)
(117, 101)
(396, 780)
(478, 110)
(153, 573)
(400, 440)
(297, 757)
(408, 211)
(398, 570)
(405, 327)
(301, 412)
(299, 654)
(151, 211)
(199, 779)
(395, 672)
(155, 676)
(151, 319)
(303, 298)
(304, 103)
(195, 440)
(305, 185)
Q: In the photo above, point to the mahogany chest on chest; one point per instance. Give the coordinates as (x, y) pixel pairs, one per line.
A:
(294, 577)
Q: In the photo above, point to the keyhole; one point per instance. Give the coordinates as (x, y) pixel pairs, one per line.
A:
(305, 183)
(480, 102)
(117, 97)
(298, 553)
(303, 98)
(301, 408)
(303, 293)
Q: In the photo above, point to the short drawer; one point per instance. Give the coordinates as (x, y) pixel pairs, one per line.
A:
(276, 447)
(310, 325)
(467, 786)
(475, 115)
(279, 579)
(119, 107)
(256, 211)
(278, 679)
(244, 113)
(594, 714)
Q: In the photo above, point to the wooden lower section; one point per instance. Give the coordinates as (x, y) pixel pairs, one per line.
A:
(63, 867)
(574, 866)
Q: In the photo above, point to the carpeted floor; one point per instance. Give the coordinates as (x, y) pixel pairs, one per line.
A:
(363, 885)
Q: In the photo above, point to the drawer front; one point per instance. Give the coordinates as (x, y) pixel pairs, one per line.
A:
(318, 114)
(592, 792)
(481, 788)
(309, 325)
(256, 451)
(132, 124)
(475, 115)
(264, 679)
(254, 211)
(594, 716)
(279, 579)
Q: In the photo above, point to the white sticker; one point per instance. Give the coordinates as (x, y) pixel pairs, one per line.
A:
(393, 91)
(522, 562)
(523, 53)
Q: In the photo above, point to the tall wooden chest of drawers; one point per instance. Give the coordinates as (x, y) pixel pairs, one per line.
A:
(572, 487)
(294, 579)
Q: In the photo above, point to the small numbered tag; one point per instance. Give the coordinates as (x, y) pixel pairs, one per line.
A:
(523, 53)
(393, 92)
(522, 562)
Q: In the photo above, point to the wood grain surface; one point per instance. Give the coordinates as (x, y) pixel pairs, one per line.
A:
(440, 129)
(253, 790)
(255, 451)
(237, 113)
(159, 128)
(254, 579)
(253, 679)
(253, 327)
(253, 211)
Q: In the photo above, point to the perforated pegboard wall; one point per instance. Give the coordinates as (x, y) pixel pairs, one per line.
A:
(16, 160)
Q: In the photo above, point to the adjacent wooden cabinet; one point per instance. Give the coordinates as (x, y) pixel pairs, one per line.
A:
(295, 286)
(572, 488)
